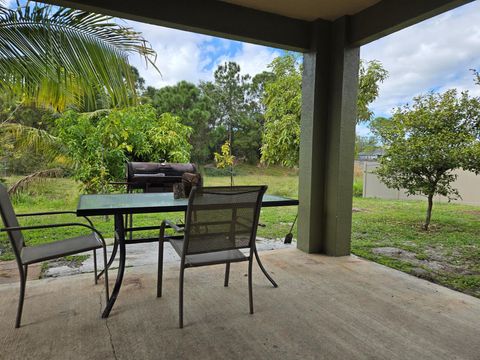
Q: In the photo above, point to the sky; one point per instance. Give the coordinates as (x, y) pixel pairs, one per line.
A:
(434, 55)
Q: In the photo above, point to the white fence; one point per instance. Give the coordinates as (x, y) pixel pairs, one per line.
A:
(467, 184)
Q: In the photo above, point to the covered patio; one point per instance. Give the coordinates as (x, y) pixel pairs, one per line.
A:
(324, 308)
(329, 304)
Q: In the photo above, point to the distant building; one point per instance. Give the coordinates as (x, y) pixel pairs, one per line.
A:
(371, 155)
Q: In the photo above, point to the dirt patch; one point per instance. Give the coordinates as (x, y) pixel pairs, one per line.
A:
(394, 252)
(436, 261)
(472, 212)
(422, 273)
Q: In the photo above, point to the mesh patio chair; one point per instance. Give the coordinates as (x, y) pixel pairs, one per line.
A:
(26, 255)
(220, 221)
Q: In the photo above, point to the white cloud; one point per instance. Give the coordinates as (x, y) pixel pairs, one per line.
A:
(179, 55)
(434, 55)
(194, 57)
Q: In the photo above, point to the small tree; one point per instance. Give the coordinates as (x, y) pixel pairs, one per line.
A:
(225, 159)
(426, 141)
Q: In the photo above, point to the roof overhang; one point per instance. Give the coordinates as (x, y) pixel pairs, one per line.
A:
(279, 23)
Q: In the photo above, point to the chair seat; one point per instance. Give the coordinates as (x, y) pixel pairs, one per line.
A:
(211, 258)
(75, 245)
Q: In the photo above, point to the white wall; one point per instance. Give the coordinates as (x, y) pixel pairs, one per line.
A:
(467, 184)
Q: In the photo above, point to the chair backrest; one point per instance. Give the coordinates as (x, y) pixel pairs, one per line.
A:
(10, 220)
(222, 218)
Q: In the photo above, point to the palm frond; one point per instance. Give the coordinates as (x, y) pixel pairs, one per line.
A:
(30, 139)
(24, 182)
(59, 56)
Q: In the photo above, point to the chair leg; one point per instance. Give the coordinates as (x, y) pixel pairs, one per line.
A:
(160, 268)
(105, 273)
(95, 265)
(23, 281)
(227, 274)
(180, 300)
(250, 290)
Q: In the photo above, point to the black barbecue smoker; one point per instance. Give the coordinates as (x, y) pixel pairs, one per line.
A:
(156, 177)
(152, 177)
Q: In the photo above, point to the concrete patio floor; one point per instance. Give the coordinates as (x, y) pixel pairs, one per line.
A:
(325, 308)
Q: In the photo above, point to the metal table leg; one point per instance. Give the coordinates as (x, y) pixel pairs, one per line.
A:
(112, 257)
(120, 234)
(263, 269)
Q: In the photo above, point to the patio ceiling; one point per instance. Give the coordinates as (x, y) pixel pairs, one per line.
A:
(279, 23)
(307, 9)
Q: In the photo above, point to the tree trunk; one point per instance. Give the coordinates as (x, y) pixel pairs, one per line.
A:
(429, 213)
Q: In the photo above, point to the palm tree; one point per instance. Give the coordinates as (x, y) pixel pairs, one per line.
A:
(58, 57)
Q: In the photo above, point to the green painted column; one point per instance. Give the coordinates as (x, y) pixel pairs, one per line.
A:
(329, 96)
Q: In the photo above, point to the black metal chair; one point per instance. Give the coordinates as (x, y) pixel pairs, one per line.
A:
(26, 255)
(219, 222)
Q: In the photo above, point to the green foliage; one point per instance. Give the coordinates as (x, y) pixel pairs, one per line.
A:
(55, 56)
(100, 143)
(371, 74)
(217, 172)
(282, 99)
(225, 159)
(426, 141)
(358, 187)
(228, 108)
(189, 103)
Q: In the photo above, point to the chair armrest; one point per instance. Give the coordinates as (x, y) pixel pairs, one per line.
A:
(47, 213)
(54, 213)
(50, 226)
(172, 225)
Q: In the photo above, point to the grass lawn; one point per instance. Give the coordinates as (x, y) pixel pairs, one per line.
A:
(384, 231)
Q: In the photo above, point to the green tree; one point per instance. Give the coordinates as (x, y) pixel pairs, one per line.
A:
(283, 103)
(371, 74)
(282, 99)
(426, 141)
(57, 57)
(100, 143)
(235, 111)
(188, 102)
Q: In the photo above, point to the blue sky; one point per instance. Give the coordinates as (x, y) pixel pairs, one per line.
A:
(434, 55)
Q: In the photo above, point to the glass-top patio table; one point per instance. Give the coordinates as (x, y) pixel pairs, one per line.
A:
(120, 205)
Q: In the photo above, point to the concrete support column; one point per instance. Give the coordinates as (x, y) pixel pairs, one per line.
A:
(329, 96)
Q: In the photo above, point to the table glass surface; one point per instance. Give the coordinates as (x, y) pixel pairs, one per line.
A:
(146, 202)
